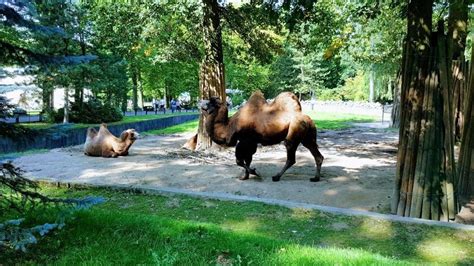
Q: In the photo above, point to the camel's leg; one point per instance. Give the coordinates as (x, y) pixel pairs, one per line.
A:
(291, 147)
(251, 149)
(109, 153)
(243, 155)
(310, 144)
(240, 156)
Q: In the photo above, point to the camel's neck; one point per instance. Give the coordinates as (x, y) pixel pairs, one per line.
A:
(217, 126)
(123, 146)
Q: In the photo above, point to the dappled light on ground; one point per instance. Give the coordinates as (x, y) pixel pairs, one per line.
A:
(376, 229)
(434, 248)
(357, 172)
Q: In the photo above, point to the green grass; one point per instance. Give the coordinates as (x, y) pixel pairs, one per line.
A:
(186, 127)
(150, 229)
(37, 125)
(324, 121)
(125, 120)
(334, 121)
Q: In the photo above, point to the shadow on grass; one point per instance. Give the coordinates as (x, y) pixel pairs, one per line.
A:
(118, 237)
(131, 229)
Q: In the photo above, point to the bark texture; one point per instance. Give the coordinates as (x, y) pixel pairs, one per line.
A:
(465, 185)
(457, 33)
(211, 76)
(424, 184)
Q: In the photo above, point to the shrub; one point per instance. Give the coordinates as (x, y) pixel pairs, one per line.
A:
(355, 88)
(10, 130)
(91, 112)
(237, 99)
(19, 194)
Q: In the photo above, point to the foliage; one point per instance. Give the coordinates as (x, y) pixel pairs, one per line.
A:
(354, 89)
(6, 108)
(6, 129)
(154, 49)
(19, 194)
(91, 112)
(20, 30)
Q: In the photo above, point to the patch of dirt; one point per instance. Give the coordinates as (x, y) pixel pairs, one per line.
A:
(357, 172)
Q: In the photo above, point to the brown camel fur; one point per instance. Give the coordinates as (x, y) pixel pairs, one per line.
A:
(265, 123)
(103, 143)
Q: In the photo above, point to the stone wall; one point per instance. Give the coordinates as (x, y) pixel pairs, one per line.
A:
(64, 136)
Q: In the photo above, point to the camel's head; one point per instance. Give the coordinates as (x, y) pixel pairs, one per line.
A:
(211, 106)
(130, 134)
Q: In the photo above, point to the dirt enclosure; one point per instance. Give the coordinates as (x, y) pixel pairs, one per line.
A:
(357, 173)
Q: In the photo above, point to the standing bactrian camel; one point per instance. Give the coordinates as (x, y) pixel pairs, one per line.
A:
(103, 143)
(265, 123)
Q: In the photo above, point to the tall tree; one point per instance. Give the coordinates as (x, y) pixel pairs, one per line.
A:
(425, 165)
(211, 76)
(465, 185)
(457, 33)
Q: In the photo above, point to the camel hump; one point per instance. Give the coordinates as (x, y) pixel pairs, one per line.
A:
(287, 101)
(257, 99)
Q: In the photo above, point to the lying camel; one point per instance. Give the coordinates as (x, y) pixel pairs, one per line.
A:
(104, 144)
(265, 123)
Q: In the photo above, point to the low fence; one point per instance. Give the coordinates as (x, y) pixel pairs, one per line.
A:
(36, 117)
(63, 137)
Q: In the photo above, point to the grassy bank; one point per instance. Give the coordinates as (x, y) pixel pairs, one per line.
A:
(324, 121)
(125, 120)
(151, 229)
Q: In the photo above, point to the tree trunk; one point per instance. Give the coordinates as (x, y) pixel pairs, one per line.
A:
(371, 84)
(66, 88)
(465, 185)
(457, 33)
(47, 95)
(425, 165)
(211, 76)
(396, 101)
(135, 90)
(140, 90)
(66, 106)
(79, 91)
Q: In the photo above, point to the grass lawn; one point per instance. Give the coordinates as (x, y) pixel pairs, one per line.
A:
(126, 119)
(324, 121)
(177, 230)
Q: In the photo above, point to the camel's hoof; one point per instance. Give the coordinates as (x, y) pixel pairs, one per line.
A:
(275, 178)
(254, 172)
(315, 179)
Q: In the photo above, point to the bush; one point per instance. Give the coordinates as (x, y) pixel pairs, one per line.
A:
(355, 88)
(237, 99)
(19, 195)
(14, 131)
(10, 130)
(91, 112)
(329, 94)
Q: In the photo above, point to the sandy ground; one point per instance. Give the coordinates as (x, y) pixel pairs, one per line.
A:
(357, 173)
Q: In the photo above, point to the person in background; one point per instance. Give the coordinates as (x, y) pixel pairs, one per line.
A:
(178, 105)
(162, 106)
(173, 105)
